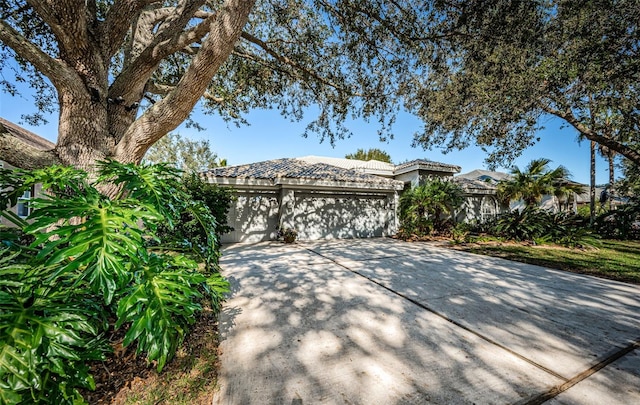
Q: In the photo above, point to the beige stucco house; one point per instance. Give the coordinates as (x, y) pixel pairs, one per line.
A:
(320, 197)
(8, 128)
(481, 202)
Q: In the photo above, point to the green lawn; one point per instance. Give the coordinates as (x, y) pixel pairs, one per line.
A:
(617, 260)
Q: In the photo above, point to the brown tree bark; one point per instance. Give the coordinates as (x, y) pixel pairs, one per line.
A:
(98, 120)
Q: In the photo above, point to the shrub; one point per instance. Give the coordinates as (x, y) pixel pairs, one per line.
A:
(623, 223)
(429, 207)
(88, 261)
(188, 234)
(522, 225)
(288, 235)
(540, 226)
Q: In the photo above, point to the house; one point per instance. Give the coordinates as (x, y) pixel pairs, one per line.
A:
(481, 201)
(320, 197)
(8, 128)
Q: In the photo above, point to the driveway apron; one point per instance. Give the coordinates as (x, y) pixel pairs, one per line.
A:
(379, 321)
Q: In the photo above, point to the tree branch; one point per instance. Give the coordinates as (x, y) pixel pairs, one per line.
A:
(22, 155)
(68, 22)
(158, 89)
(166, 114)
(591, 135)
(118, 21)
(171, 39)
(59, 74)
(283, 59)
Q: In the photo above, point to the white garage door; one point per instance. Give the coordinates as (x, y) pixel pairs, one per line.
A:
(331, 216)
(254, 217)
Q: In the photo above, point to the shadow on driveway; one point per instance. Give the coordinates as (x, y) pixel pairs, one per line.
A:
(380, 321)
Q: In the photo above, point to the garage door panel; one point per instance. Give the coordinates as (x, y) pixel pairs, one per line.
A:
(254, 218)
(329, 217)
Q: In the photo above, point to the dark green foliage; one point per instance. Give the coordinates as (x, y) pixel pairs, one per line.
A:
(622, 223)
(188, 233)
(527, 224)
(535, 224)
(429, 207)
(536, 180)
(629, 185)
(370, 154)
(500, 68)
(87, 262)
(186, 154)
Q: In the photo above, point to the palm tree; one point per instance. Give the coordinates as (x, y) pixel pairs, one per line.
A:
(528, 185)
(422, 208)
(592, 184)
(536, 181)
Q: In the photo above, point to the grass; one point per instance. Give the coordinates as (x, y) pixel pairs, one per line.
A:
(616, 260)
(190, 379)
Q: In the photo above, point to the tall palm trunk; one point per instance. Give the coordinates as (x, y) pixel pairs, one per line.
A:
(592, 185)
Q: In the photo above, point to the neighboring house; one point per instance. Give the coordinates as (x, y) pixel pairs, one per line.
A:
(584, 199)
(320, 197)
(480, 191)
(481, 201)
(8, 128)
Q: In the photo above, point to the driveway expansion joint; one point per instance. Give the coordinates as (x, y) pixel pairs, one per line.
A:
(448, 319)
(559, 389)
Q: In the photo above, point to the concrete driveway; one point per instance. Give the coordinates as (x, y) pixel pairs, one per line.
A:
(380, 321)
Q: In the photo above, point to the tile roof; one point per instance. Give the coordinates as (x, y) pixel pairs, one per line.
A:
(474, 184)
(428, 165)
(25, 135)
(484, 175)
(373, 165)
(297, 169)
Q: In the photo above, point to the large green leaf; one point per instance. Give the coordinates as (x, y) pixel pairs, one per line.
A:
(160, 305)
(103, 245)
(157, 185)
(88, 251)
(44, 337)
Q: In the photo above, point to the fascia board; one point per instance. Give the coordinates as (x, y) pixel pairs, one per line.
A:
(417, 167)
(335, 185)
(241, 182)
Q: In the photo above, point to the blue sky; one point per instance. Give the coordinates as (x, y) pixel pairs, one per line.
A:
(271, 136)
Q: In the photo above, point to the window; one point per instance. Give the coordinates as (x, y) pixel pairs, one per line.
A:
(23, 208)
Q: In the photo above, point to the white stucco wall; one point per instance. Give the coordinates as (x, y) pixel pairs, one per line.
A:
(256, 215)
(479, 208)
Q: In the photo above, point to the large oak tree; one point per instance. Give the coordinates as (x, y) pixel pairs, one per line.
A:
(507, 66)
(486, 72)
(126, 72)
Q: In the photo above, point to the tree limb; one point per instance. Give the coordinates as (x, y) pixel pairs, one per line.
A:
(59, 73)
(20, 154)
(166, 114)
(134, 76)
(283, 59)
(68, 22)
(117, 22)
(158, 89)
(591, 135)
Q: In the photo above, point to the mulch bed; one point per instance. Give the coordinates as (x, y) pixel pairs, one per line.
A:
(123, 372)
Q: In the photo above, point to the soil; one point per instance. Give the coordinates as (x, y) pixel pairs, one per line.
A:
(123, 373)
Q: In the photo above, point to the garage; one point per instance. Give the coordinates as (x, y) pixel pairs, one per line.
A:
(318, 200)
(341, 215)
